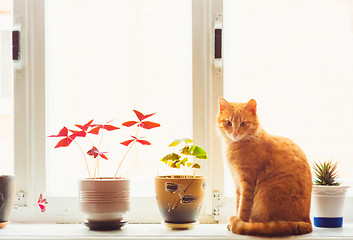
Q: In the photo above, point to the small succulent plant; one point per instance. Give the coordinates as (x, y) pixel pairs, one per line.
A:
(325, 173)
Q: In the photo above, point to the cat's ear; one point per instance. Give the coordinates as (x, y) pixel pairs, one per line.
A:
(223, 104)
(251, 106)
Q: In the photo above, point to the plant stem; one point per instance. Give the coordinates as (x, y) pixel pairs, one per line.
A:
(90, 141)
(84, 155)
(100, 141)
(94, 167)
(99, 147)
(193, 169)
(137, 131)
(136, 160)
(132, 144)
(98, 167)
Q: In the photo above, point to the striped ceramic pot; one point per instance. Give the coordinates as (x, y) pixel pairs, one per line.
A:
(328, 205)
(104, 201)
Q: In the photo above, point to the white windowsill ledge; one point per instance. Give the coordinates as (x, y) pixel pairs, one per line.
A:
(148, 231)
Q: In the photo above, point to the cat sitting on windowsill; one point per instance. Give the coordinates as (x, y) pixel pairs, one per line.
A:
(271, 175)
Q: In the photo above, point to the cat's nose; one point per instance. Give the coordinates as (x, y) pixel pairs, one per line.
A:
(235, 134)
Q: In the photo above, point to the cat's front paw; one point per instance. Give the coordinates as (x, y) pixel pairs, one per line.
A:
(233, 225)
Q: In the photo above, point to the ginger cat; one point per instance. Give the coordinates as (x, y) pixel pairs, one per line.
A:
(271, 175)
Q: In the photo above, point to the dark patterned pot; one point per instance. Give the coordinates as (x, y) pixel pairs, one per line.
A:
(7, 196)
(180, 198)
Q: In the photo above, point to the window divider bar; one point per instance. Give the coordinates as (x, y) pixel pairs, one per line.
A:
(214, 89)
(208, 87)
(29, 96)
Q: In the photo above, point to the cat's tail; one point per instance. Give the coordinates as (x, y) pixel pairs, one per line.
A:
(269, 229)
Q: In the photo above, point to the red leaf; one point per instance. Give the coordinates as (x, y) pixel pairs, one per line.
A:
(148, 115)
(129, 123)
(96, 125)
(87, 125)
(142, 117)
(64, 142)
(139, 115)
(127, 143)
(95, 130)
(110, 127)
(94, 152)
(78, 134)
(144, 142)
(84, 127)
(41, 203)
(149, 125)
(72, 137)
(103, 156)
(63, 133)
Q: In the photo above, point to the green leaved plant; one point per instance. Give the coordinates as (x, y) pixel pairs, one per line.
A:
(325, 173)
(181, 159)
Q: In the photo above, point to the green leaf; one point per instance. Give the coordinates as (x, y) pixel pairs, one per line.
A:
(184, 161)
(188, 164)
(185, 150)
(177, 164)
(196, 165)
(171, 156)
(198, 152)
(325, 173)
(187, 140)
(176, 142)
(171, 164)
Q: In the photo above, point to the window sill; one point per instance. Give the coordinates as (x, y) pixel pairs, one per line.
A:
(147, 231)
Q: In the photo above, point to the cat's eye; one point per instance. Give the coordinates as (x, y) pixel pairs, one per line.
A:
(228, 123)
(242, 124)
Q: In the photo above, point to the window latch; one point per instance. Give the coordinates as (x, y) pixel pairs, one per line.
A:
(16, 45)
(20, 200)
(218, 36)
(217, 203)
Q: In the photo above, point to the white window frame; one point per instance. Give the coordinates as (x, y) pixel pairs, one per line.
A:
(29, 87)
(29, 108)
(29, 112)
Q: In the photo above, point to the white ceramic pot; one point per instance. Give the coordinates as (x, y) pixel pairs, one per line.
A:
(104, 200)
(328, 205)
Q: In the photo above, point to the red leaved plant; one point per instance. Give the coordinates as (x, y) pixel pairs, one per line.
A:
(70, 135)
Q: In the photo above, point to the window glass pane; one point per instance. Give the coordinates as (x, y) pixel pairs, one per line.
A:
(104, 59)
(6, 105)
(295, 59)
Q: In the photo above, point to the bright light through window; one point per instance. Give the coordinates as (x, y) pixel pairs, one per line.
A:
(104, 59)
(296, 59)
(6, 105)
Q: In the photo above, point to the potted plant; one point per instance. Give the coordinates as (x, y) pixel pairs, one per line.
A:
(328, 195)
(179, 197)
(7, 196)
(103, 200)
